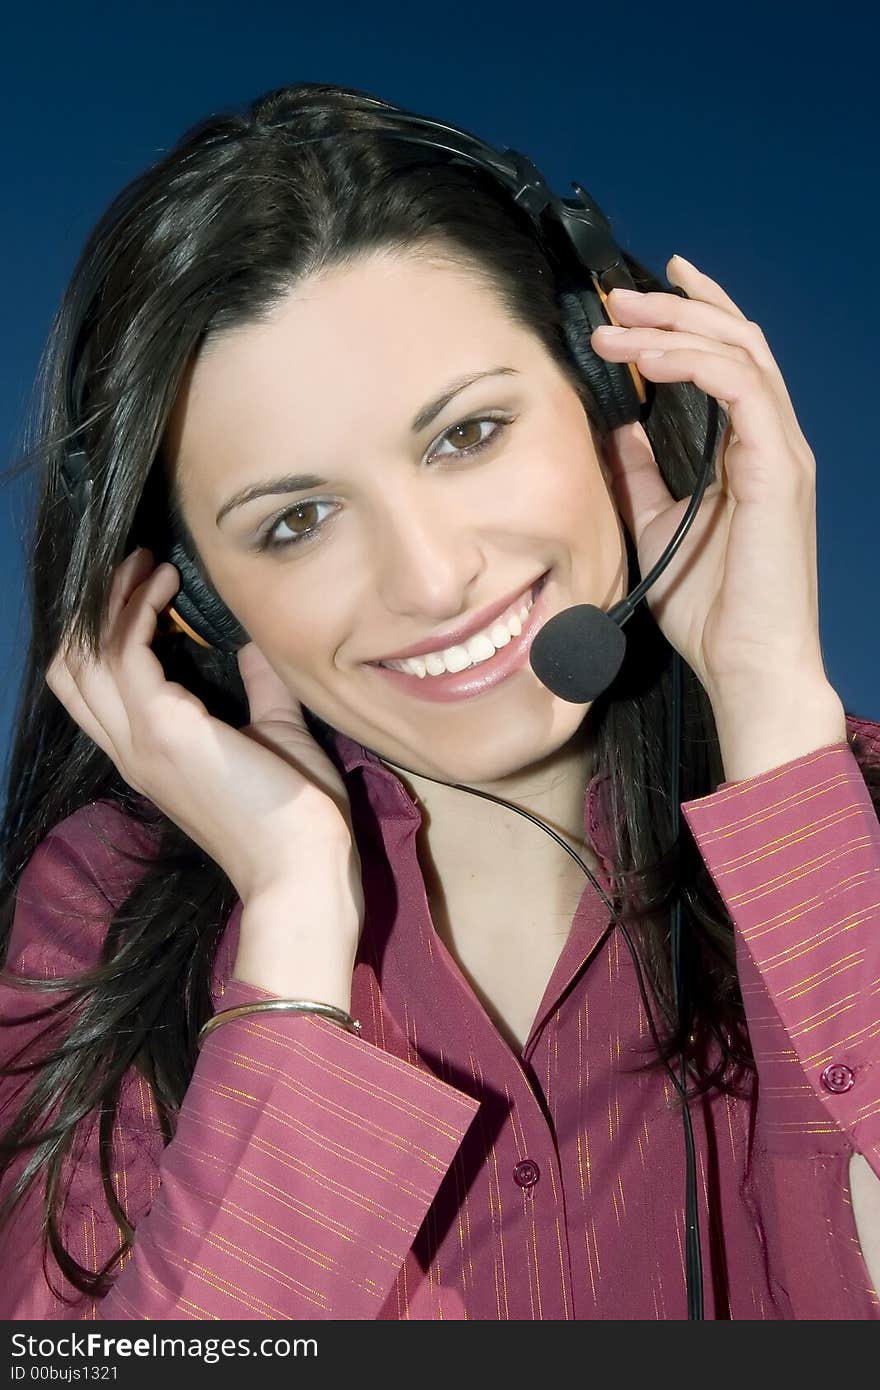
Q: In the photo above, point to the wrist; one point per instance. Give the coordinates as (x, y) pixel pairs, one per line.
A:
(768, 728)
(301, 980)
(296, 949)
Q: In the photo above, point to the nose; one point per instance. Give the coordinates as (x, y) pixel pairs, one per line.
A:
(426, 564)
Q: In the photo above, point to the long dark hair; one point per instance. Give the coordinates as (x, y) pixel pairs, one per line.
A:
(212, 236)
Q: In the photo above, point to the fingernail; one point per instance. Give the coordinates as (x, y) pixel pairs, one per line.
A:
(626, 294)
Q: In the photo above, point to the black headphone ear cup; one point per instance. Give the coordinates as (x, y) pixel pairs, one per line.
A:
(197, 601)
(611, 382)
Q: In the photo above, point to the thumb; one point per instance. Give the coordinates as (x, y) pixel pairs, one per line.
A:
(637, 485)
(268, 696)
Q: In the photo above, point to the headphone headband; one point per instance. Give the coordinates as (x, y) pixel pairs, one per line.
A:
(587, 251)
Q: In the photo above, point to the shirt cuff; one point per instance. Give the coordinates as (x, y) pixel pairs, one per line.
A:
(795, 855)
(303, 1164)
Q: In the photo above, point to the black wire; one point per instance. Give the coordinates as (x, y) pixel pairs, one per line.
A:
(692, 1225)
(693, 1262)
(694, 1272)
(692, 1230)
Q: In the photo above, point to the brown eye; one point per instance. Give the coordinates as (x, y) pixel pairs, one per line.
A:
(467, 436)
(305, 513)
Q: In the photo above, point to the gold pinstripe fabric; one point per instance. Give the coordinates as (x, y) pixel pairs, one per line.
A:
(318, 1175)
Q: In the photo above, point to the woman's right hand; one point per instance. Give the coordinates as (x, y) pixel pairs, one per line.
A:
(265, 801)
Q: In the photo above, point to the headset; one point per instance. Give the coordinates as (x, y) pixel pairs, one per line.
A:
(579, 651)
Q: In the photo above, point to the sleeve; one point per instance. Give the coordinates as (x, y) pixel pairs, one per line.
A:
(304, 1159)
(795, 854)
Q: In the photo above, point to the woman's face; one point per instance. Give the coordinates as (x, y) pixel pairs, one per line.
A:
(404, 535)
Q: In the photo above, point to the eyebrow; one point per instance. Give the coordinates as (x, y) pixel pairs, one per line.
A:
(304, 482)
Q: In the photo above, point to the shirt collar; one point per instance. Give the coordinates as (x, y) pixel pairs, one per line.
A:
(390, 798)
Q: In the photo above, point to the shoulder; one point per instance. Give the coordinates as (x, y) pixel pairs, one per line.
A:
(80, 872)
(867, 730)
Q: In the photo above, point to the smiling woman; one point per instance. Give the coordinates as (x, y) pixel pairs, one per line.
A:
(205, 840)
(420, 545)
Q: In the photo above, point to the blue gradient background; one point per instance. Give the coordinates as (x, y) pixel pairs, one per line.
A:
(745, 140)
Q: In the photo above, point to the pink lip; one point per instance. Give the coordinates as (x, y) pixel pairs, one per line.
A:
(476, 679)
(458, 635)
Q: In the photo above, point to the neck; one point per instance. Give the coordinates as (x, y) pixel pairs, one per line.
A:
(475, 838)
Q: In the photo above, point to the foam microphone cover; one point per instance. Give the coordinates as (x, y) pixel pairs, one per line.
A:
(577, 653)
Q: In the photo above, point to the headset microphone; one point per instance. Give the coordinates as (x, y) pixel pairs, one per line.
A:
(578, 652)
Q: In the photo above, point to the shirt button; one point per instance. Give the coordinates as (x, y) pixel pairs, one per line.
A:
(526, 1173)
(838, 1077)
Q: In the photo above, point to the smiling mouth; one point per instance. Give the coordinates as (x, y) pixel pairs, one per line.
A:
(510, 624)
(480, 676)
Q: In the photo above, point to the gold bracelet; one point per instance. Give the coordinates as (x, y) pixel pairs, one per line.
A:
(305, 1006)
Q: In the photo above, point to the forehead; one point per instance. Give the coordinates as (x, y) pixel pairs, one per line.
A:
(384, 310)
(370, 341)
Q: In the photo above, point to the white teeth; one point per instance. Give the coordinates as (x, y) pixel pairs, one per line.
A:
(499, 633)
(457, 658)
(481, 647)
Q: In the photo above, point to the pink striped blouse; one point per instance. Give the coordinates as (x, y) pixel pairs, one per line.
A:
(428, 1170)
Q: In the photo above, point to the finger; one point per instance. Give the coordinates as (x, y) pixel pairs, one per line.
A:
(68, 694)
(136, 672)
(698, 285)
(88, 688)
(753, 413)
(713, 320)
(671, 311)
(70, 674)
(620, 345)
(128, 675)
(132, 571)
(623, 347)
(129, 573)
(639, 490)
(268, 695)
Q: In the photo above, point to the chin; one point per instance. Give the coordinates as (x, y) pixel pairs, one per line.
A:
(504, 754)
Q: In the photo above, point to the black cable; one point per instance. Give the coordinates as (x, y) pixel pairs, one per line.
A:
(693, 1256)
(693, 1248)
(692, 1224)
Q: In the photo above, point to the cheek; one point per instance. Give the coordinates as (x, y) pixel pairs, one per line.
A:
(293, 630)
(297, 623)
(574, 504)
(564, 493)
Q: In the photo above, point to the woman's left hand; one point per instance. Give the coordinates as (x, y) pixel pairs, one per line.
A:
(739, 600)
